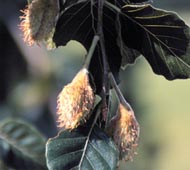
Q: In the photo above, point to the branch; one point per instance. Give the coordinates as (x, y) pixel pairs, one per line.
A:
(105, 82)
(119, 93)
(91, 51)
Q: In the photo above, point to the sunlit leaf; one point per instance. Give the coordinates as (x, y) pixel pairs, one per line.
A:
(72, 150)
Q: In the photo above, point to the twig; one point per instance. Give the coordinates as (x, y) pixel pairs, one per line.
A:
(105, 82)
(100, 38)
(119, 93)
(91, 51)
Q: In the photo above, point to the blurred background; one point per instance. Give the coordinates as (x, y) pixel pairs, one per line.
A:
(32, 77)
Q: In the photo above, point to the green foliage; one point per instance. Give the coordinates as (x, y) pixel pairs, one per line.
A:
(123, 30)
(80, 150)
(25, 144)
(160, 36)
(129, 31)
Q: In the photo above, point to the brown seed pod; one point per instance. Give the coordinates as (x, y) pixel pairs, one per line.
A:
(75, 101)
(38, 20)
(125, 131)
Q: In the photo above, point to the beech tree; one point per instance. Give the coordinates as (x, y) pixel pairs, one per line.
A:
(115, 33)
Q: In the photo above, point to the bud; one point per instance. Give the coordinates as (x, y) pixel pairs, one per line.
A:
(125, 130)
(38, 20)
(75, 101)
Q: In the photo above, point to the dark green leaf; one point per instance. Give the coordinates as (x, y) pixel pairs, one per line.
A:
(67, 151)
(26, 146)
(67, 3)
(97, 100)
(161, 36)
(78, 22)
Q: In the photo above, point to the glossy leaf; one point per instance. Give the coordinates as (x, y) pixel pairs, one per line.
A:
(161, 36)
(26, 147)
(72, 150)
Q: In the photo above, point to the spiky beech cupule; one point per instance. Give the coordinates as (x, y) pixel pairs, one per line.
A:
(125, 131)
(38, 20)
(75, 101)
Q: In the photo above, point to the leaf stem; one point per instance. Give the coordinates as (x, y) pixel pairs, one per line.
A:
(88, 137)
(112, 6)
(91, 51)
(119, 93)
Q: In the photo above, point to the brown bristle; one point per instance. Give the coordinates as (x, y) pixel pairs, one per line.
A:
(125, 132)
(75, 101)
(38, 20)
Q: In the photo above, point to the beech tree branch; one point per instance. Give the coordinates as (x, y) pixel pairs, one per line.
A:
(105, 82)
(91, 51)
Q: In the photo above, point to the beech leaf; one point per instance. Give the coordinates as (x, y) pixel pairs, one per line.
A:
(73, 151)
(25, 145)
(161, 36)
